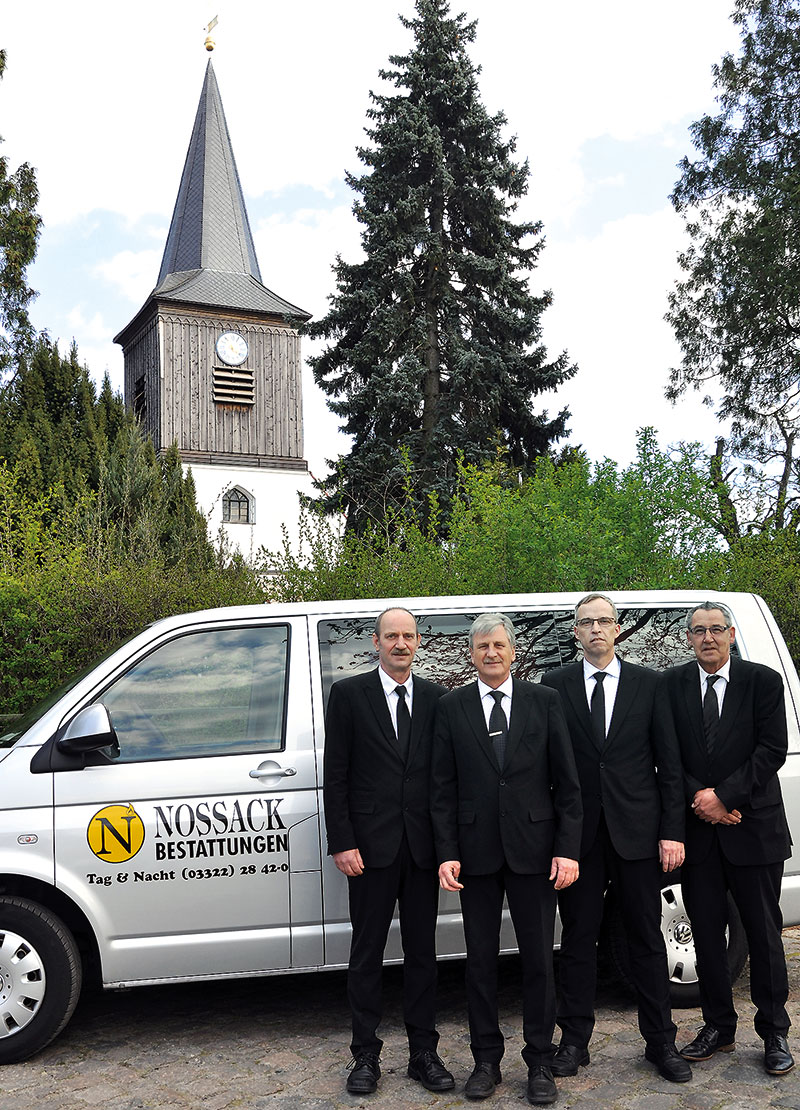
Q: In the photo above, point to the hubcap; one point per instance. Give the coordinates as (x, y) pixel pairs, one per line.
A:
(22, 983)
(678, 938)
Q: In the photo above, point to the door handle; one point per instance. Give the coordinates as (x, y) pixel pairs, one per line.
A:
(273, 772)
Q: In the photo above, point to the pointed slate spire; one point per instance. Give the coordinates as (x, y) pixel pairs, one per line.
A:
(210, 229)
(210, 257)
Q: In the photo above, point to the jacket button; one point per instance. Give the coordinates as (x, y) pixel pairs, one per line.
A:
(502, 782)
(602, 766)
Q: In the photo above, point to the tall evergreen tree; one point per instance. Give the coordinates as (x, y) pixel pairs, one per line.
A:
(435, 337)
(736, 311)
(19, 235)
(50, 406)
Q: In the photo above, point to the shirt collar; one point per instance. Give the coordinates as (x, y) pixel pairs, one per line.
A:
(390, 684)
(504, 688)
(723, 672)
(589, 668)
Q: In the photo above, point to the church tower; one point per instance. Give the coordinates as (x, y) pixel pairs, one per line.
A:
(212, 359)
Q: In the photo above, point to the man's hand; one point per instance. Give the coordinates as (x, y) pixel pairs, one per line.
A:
(564, 871)
(671, 854)
(349, 863)
(709, 808)
(448, 875)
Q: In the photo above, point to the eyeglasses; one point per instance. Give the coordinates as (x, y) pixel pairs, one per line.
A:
(715, 630)
(587, 622)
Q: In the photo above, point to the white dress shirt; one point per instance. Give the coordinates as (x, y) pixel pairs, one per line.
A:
(719, 688)
(390, 685)
(488, 702)
(610, 685)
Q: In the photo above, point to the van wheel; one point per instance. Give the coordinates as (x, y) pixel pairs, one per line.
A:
(679, 942)
(40, 978)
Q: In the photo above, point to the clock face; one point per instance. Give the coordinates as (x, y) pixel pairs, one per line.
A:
(232, 348)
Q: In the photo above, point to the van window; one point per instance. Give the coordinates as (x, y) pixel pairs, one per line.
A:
(346, 647)
(214, 692)
(652, 637)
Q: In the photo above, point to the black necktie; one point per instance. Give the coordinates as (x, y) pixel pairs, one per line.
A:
(710, 713)
(403, 721)
(498, 728)
(598, 708)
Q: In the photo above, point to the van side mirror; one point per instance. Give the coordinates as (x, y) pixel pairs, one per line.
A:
(89, 731)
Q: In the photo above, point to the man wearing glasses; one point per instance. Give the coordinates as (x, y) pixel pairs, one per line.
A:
(731, 724)
(632, 789)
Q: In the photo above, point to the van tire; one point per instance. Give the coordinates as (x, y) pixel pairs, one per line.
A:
(40, 978)
(677, 932)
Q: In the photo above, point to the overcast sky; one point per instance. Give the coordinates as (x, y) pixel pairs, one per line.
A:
(101, 98)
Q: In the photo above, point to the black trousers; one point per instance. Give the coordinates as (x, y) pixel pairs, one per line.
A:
(637, 884)
(756, 892)
(532, 903)
(373, 896)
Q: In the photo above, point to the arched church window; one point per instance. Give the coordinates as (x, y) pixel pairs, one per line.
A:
(238, 507)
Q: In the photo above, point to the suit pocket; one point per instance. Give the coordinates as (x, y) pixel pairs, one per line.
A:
(362, 803)
(769, 796)
(541, 814)
(466, 816)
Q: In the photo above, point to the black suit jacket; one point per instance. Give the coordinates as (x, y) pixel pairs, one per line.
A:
(522, 816)
(636, 779)
(371, 794)
(750, 747)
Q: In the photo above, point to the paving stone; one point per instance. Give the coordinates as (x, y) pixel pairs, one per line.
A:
(282, 1043)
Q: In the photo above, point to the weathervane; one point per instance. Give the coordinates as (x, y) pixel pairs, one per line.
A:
(210, 44)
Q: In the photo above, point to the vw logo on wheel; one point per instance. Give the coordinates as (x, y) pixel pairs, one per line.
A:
(683, 932)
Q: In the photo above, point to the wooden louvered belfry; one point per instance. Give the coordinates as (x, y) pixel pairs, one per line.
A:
(212, 359)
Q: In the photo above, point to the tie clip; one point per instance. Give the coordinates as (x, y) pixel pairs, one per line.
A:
(496, 733)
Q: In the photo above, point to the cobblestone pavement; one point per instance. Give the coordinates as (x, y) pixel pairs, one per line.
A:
(282, 1043)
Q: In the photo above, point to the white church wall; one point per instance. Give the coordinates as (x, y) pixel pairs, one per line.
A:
(274, 500)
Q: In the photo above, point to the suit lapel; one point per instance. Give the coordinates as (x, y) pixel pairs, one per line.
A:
(520, 711)
(420, 708)
(377, 701)
(732, 703)
(694, 706)
(627, 689)
(473, 710)
(575, 692)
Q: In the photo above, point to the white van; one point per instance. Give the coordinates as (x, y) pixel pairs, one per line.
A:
(160, 818)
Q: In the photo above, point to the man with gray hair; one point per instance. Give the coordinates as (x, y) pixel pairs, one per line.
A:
(506, 809)
(731, 723)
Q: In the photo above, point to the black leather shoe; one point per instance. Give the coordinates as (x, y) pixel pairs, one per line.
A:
(671, 1065)
(365, 1071)
(777, 1057)
(706, 1043)
(485, 1077)
(541, 1088)
(428, 1069)
(568, 1059)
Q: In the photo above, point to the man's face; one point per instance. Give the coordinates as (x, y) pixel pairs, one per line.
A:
(596, 630)
(492, 655)
(713, 649)
(398, 642)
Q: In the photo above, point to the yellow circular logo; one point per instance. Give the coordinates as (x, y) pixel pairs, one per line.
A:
(116, 833)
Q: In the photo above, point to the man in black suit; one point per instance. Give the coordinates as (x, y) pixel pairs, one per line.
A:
(378, 731)
(731, 723)
(506, 810)
(633, 820)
